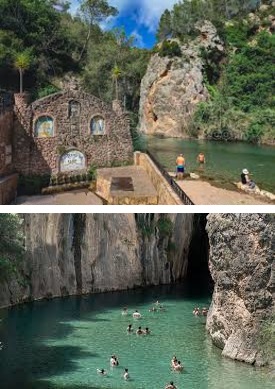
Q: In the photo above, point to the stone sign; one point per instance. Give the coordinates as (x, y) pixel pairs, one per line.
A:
(72, 160)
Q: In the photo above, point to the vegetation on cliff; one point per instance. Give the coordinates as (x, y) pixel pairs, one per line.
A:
(11, 244)
(241, 83)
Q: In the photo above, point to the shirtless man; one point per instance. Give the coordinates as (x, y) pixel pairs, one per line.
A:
(130, 328)
(201, 158)
(180, 162)
(136, 315)
(178, 366)
(139, 331)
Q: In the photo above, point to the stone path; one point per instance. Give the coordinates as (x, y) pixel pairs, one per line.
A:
(202, 193)
(77, 197)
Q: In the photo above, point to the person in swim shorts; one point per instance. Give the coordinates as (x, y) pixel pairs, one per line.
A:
(180, 162)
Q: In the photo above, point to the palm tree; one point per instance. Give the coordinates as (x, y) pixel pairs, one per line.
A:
(116, 74)
(22, 63)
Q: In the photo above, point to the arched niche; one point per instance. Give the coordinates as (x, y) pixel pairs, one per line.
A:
(74, 109)
(97, 125)
(44, 127)
(72, 160)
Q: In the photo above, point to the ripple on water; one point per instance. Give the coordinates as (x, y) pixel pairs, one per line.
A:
(60, 344)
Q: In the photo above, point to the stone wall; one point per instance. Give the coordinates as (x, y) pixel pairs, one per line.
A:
(8, 180)
(166, 195)
(41, 155)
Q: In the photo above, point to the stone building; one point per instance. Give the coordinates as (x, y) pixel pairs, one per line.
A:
(68, 132)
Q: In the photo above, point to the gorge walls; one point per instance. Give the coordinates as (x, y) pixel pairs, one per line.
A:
(242, 248)
(69, 254)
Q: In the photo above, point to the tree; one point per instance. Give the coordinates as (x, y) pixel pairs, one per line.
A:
(93, 12)
(22, 63)
(165, 28)
(116, 75)
(11, 244)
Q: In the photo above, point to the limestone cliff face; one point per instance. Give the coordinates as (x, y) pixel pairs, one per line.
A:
(172, 87)
(69, 254)
(242, 248)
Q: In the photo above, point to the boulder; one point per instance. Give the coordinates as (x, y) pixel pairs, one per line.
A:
(173, 87)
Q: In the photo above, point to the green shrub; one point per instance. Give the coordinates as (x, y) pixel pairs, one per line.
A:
(32, 184)
(170, 49)
(92, 172)
(46, 91)
(165, 226)
(11, 245)
(266, 338)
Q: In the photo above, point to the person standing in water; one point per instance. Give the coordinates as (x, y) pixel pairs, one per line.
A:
(201, 159)
(180, 162)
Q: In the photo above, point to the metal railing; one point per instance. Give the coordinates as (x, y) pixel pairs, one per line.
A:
(176, 188)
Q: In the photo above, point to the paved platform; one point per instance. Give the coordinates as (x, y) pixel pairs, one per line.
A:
(143, 191)
(77, 197)
(202, 193)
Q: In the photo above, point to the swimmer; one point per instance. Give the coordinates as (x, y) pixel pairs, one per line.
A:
(157, 303)
(161, 308)
(101, 371)
(153, 309)
(196, 311)
(170, 386)
(178, 366)
(136, 315)
(130, 328)
(146, 331)
(204, 311)
(173, 361)
(124, 311)
(126, 375)
(139, 331)
(114, 361)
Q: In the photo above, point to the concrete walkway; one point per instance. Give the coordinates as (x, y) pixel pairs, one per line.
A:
(202, 193)
(77, 197)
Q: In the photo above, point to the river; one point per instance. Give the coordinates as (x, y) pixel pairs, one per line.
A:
(224, 160)
(61, 343)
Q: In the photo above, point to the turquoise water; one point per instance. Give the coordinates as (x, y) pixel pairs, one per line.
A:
(61, 343)
(225, 160)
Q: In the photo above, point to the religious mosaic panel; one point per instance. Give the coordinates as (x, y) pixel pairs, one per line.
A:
(44, 127)
(74, 109)
(72, 160)
(97, 125)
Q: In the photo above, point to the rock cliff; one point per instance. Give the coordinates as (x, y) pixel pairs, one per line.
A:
(172, 87)
(69, 254)
(241, 263)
